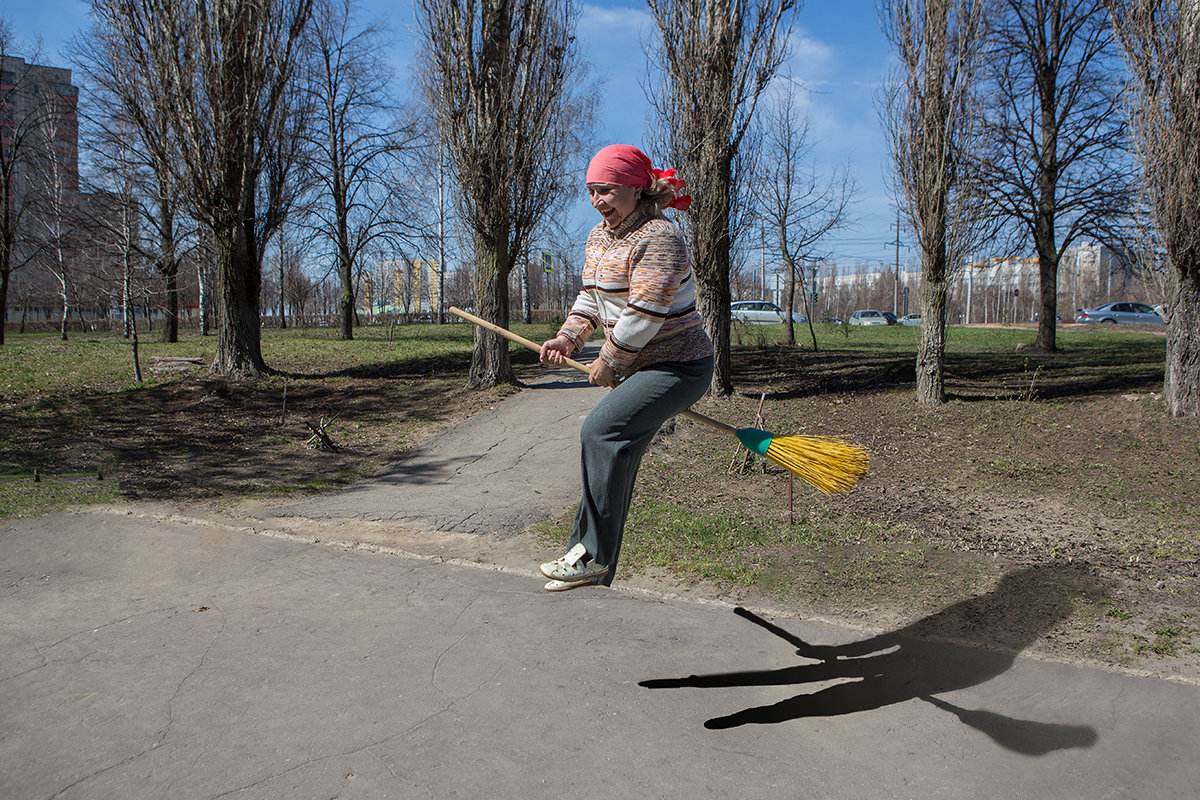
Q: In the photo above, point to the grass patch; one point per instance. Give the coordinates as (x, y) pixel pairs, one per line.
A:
(1112, 610)
(1167, 642)
(21, 496)
(829, 565)
(713, 546)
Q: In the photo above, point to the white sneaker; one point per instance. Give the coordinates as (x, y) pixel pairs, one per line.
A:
(563, 586)
(571, 569)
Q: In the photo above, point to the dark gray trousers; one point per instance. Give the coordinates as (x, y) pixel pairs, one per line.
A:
(613, 440)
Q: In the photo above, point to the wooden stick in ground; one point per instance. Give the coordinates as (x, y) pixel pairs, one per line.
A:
(791, 502)
(319, 435)
(759, 422)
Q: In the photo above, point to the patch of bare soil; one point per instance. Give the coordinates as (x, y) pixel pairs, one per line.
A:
(1065, 527)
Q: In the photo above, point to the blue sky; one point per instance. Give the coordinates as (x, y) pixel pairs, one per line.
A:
(839, 57)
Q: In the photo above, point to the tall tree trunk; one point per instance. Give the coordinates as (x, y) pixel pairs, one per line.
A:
(931, 347)
(202, 284)
(1181, 385)
(127, 299)
(170, 332)
(168, 267)
(239, 338)
(490, 364)
(526, 305)
(713, 300)
(4, 303)
(789, 330)
(282, 276)
(1048, 316)
(710, 245)
(346, 299)
(1047, 212)
(66, 306)
(345, 261)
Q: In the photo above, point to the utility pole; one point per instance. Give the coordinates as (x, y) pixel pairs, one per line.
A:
(896, 266)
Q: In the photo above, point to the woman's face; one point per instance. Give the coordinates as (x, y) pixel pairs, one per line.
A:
(614, 203)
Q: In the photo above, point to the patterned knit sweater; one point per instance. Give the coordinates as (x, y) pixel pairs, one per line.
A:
(638, 284)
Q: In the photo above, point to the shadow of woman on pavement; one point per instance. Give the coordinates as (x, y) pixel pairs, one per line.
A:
(907, 664)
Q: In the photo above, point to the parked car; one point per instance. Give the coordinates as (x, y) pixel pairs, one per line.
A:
(1120, 312)
(890, 317)
(868, 317)
(761, 312)
(911, 319)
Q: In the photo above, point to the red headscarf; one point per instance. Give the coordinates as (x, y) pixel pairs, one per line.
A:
(625, 165)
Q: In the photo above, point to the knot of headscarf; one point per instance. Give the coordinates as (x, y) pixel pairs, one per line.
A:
(625, 165)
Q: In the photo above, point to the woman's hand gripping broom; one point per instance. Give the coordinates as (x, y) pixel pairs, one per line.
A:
(832, 465)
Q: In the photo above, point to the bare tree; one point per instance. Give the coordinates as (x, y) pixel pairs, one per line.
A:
(298, 289)
(1161, 41)
(112, 220)
(504, 82)
(357, 138)
(57, 209)
(285, 185)
(928, 115)
(1055, 162)
(717, 58)
(223, 69)
(132, 133)
(205, 261)
(800, 206)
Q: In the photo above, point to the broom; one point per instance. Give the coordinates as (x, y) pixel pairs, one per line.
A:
(831, 465)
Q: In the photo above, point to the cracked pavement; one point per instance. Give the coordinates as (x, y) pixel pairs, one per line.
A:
(154, 655)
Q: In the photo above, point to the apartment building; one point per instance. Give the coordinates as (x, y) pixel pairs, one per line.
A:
(39, 109)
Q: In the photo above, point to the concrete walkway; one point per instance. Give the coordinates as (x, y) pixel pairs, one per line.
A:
(151, 655)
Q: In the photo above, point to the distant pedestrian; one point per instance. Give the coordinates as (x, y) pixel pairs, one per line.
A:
(639, 288)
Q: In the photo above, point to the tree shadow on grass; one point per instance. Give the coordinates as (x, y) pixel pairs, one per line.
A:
(443, 365)
(456, 363)
(201, 438)
(788, 375)
(908, 664)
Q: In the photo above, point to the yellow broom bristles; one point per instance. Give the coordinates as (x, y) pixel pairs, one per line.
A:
(831, 465)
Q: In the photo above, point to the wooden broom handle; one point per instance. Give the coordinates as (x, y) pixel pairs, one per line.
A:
(584, 368)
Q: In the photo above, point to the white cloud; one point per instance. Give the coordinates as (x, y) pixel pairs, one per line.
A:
(633, 19)
(811, 57)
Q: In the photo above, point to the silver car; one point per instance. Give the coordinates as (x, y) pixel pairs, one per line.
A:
(911, 320)
(868, 317)
(1139, 313)
(760, 312)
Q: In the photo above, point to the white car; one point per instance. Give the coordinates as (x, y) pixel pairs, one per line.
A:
(911, 319)
(868, 317)
(761, 312)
